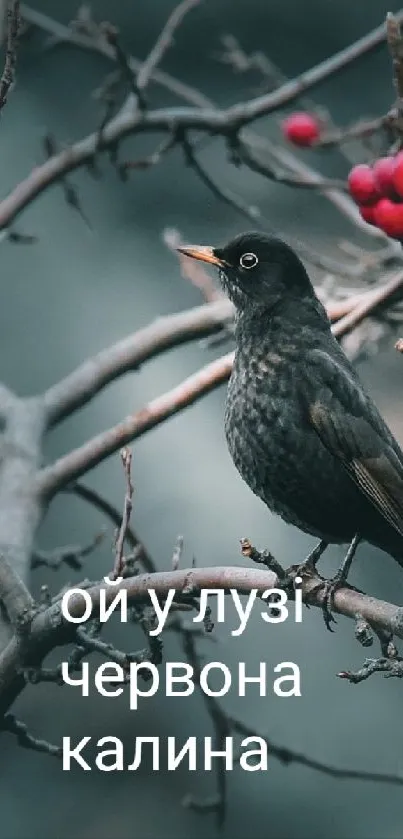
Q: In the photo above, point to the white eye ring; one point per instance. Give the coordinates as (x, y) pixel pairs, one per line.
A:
(248, 260)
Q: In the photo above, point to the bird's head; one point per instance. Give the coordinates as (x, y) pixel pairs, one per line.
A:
(256, 270)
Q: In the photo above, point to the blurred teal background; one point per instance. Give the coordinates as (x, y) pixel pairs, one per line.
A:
(76, 291)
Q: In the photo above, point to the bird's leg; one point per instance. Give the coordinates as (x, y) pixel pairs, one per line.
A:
(308, 566)
(339, 580)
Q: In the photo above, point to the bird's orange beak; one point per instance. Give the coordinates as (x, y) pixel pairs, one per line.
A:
(203, 253)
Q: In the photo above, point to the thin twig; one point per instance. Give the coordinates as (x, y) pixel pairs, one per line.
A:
(95, 43)
(395, 44)
(111, 35)
(164, 41)
(246, 156)
(166, 145)
(251, 212)
(91, 496)
(70, 555)
(10, 724)
(126, 458)
(371, 300)
(392, 668)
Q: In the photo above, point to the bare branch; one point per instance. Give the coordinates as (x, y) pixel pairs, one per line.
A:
(340, 200)
(347, 602)
(13, 22)
(111, 35)
(242, 114)
(253, 213)
(91, 643)
(91, 496)
(359, 130)
(25, 739)
(96, 43)
(391, 667)
(20, 506)
(286, 757)
(246, 156)
(14, 596)
(164, 41)
(395, 44)
(250, 212)
(126, 457)
(48, 627)
(70, 555)
(370, 301)
(125, 166)
(129, 353)
(53, 478)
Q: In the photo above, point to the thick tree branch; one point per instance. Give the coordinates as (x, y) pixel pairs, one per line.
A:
(128, 354)
(20, 505)
(72, 466)
(49, 628)
(13, 22)
(14, 596)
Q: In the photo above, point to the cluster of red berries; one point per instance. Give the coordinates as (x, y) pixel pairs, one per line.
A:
(378, 191)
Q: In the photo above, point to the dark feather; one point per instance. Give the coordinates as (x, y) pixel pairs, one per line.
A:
(351, 428)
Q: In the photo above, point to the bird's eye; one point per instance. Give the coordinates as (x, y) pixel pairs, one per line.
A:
(248, 260)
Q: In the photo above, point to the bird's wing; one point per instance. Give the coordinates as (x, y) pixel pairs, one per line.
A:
(350, 427)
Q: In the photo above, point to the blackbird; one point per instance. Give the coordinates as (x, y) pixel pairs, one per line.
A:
(301, 428)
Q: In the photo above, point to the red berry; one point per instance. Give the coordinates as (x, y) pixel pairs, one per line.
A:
(398, 174)
(368, 214)
(389, 217)
(362, 185)
(383, 170)
(301, 128)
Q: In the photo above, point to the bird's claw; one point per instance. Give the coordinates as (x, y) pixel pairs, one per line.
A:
(329, 588)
